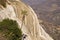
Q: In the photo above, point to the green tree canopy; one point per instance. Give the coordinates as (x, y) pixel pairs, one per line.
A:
(10, 29)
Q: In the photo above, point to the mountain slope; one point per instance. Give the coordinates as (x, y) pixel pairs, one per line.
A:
(31, 26)
(49, 12)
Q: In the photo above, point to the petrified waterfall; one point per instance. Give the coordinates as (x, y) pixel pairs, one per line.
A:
(31, 26)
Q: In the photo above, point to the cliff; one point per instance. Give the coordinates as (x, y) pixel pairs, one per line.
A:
(27, 20)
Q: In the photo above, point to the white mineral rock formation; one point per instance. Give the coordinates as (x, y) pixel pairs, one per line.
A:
(31, 27)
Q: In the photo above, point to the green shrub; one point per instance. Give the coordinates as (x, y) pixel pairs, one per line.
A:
(10, 29)
(24, 13)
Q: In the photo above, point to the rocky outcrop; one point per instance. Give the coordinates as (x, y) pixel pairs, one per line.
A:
(31, 26)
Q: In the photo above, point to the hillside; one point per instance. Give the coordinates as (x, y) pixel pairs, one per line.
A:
(26, 18)
(48, 11)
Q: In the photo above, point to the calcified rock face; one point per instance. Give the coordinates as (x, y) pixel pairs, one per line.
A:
(3, 2)
(30, 26)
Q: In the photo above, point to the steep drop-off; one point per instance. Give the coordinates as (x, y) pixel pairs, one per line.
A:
(49, 12)
(29, 25)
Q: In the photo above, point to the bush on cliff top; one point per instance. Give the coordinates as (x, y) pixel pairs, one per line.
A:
(10, 29)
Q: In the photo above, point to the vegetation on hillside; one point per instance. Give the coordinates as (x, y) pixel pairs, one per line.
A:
(10, 29)
(24, 13)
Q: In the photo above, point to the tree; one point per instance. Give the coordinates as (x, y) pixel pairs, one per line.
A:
(10, 29)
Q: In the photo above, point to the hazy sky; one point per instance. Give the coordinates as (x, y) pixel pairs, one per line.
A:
(32, 2)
